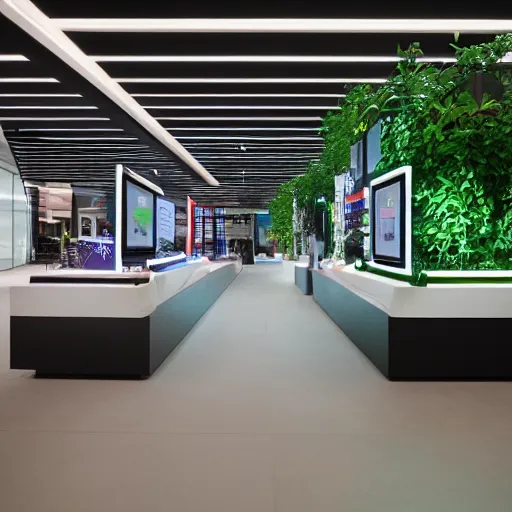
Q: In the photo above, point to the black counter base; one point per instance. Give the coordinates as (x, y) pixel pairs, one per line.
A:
(419, 348)
(113, 347)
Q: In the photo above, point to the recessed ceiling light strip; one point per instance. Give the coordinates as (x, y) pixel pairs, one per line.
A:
(22, 80)
(244, 129)
(237, 107)
(45, 107)
(311, 59)
(13, 58)
(194, 80)
(165, 95)
(249, 138)
(290, 25)
(60, 119)
(271, 119)
(14, 95)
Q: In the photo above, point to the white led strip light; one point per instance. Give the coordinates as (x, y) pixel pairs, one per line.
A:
(312, 80)
(290, 25)
(320, 59)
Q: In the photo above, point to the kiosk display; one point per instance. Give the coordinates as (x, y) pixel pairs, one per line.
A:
(139, 217)
(391, 222)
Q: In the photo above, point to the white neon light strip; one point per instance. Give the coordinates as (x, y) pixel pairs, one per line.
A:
(54, 119)
(248, 139)
(254, 156)
(70, 130)
(84, 138)
(250, 80)
(318, 118)
(264, 58)
(45, 107)
(265, 25)
(13, 58)
(163, 95)
(40, 96)
(237, 107)
(24, 80)
(47, 32)
(242, 129)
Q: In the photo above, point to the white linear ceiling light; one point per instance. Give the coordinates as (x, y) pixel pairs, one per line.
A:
(13, 58)
(250, 80)
(45, 107)
(238, 128)
(70, 130)
(54, 119)
(163, 95)
(249, 139)
(14, 95)
(291, 25)
(264, 58)
(35, 80)
(238, 107)
(238, 118)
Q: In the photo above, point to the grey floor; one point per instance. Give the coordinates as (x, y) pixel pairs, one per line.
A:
(266, 406)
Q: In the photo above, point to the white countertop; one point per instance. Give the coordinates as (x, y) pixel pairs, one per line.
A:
(400, 299)
(107, 300)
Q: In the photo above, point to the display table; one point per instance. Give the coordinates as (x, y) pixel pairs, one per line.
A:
(443, 331)
(303, 279)
(108, 324)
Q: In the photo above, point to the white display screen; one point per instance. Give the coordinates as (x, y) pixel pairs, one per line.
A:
(387, 221)
(373, 154)
(139, 217)
(166, 220)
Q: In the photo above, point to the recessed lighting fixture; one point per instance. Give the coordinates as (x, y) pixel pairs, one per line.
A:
(13, 58)
(238, 119)
(70, 130)
(250, 80)
(163, 95)
(54, 119)
(21, 80)
(253, 139)
(241, 128)
(156, 172)
(238, 107)
(320, 59)
(290, 25)
(11, 95)
(45, 107)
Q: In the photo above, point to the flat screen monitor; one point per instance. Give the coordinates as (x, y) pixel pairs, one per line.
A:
(165, 222)
(373, 154)
(391, 219)
(357, 164)
(140, 222)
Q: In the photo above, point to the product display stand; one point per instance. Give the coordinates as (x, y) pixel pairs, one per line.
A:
(110, 329)
(439, 332)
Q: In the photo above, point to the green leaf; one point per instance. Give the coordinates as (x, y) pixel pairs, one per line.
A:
(431, 231)
(446, 181)
(464, 185)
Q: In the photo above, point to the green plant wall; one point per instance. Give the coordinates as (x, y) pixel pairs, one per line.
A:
(453, 125)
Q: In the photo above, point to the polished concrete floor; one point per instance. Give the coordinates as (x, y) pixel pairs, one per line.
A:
(266, 406)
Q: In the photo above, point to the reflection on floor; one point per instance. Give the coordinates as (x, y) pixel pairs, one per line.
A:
(266, 406)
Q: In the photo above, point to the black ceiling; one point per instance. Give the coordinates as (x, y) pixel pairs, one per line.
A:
(248, 148)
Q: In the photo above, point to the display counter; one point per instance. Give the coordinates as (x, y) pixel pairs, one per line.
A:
(303, 279)
(442, 331)
(110, 324)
